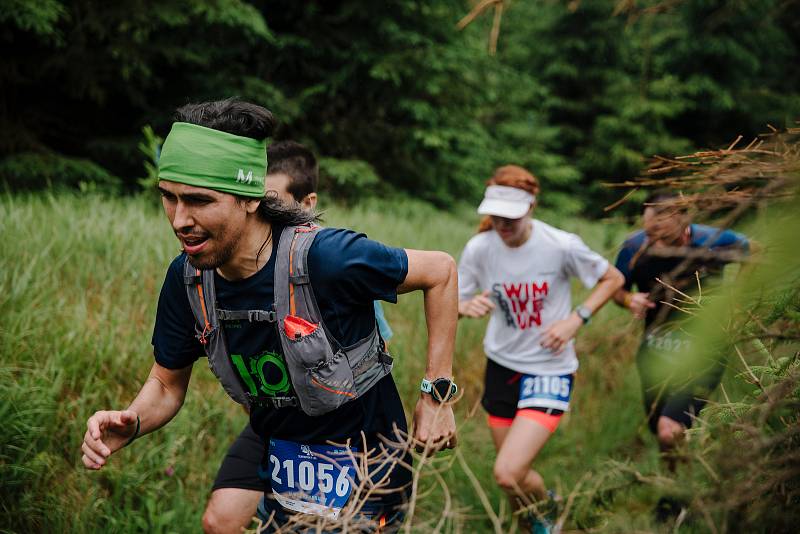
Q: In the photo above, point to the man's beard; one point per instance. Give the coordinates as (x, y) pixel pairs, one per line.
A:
(217, 259)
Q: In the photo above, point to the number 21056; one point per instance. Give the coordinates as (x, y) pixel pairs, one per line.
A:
(301, 475)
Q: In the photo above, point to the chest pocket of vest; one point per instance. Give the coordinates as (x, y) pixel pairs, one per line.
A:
(321, 378)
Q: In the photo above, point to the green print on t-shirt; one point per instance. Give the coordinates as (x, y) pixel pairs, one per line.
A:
(257, 373)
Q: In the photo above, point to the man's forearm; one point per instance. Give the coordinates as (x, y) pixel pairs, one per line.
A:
(441, 317)
(160, 397)
(436, 275)
(622, 297)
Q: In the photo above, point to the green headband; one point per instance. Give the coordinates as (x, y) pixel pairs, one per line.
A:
(204, 157)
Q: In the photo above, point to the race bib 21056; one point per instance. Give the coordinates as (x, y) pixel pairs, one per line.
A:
(311, 479)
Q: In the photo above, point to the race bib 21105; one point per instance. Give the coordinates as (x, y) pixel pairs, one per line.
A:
(541, 391)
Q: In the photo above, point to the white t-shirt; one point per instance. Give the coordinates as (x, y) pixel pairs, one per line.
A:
(530, 286)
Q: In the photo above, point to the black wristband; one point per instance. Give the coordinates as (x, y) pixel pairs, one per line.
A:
(135, 432)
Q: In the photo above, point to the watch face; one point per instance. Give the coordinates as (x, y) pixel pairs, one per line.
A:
(443, 389)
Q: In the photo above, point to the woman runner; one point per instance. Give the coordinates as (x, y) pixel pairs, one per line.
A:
(518, 270)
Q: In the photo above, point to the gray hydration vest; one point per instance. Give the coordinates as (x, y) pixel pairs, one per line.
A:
(324, 374)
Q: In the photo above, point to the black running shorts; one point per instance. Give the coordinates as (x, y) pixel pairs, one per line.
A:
(501, 392)
(241, 467)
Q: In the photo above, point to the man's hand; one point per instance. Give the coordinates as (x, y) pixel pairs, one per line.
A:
(560, 332)
(106, 433)
(476, 307)
(434, 425)
(639, 303)
(158, 401)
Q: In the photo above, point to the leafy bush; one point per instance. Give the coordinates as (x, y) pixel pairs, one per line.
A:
(348, 179)
(150, 148)
(30, 171)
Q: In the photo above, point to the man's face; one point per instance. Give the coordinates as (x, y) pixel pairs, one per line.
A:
(209, 224)
(665, 226)
(279, 183)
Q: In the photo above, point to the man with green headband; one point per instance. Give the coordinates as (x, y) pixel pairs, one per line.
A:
(292, 175)
(211, 174)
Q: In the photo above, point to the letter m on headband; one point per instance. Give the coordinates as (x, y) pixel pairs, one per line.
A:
(204, 157)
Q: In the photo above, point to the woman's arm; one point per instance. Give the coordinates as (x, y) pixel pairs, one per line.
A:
(560, 332)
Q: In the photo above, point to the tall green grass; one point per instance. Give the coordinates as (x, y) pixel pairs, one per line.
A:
(79, 280)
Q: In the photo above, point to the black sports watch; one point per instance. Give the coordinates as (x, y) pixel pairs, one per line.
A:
(441, 389)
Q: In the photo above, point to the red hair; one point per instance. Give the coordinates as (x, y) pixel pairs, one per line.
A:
(510, 176)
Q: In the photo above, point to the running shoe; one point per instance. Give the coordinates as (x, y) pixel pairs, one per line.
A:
(542, 526)
(547, 522)
(668, 508)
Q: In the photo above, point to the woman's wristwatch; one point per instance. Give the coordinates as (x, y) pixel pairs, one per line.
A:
(584, 313)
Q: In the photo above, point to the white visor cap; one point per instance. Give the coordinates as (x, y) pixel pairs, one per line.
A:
(504, 201)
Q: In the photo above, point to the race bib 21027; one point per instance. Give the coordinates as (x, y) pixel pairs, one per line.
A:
(311, 479)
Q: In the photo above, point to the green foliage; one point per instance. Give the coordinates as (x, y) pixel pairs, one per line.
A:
(150, 148)
(762, 426)
(37, 16)
(347, 179)
(579, 92)
(30, 171)
(77, 306)
(627, 80)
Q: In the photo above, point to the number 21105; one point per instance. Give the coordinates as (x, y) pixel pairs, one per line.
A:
(545, 385)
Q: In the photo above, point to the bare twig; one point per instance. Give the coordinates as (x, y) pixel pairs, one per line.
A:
(476, 485)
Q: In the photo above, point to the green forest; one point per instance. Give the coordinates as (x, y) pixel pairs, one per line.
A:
(410, 106)
(392, 95)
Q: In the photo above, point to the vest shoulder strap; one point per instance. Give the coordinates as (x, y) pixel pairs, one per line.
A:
(202, 296)
(202, 299)
(293, 292)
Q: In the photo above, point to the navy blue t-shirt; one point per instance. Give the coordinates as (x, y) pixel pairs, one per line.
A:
(641, 268)
(348, 272)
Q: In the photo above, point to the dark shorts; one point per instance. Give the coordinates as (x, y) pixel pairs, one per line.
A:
(501, 392)
(380, 511)
(673, 385)
(241, 467)
(373, 519)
